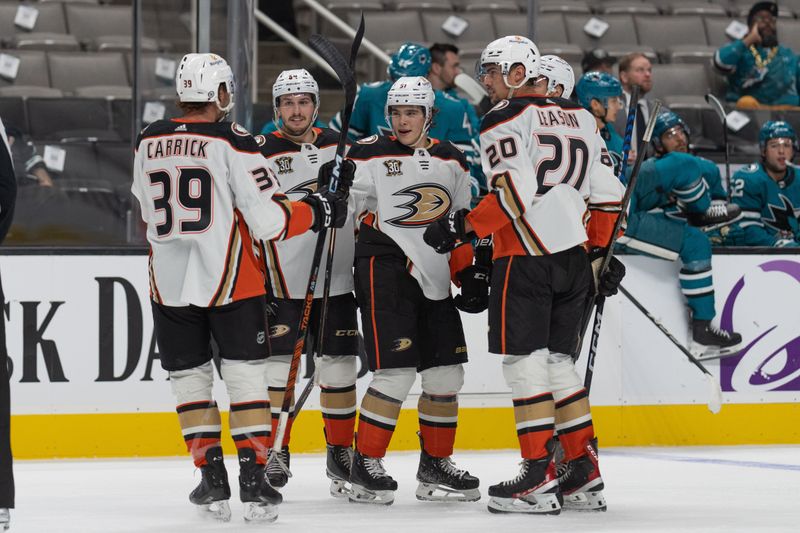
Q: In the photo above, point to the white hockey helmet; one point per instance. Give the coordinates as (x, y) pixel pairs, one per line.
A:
(411, 90)
(294, 81)
(508, 51)
(199, 77)
(558, 72)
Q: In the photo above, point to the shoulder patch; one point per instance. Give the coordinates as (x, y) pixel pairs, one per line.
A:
(499, 105)
(260, 140)
(368, 140)
(752, 167)
(239, 130)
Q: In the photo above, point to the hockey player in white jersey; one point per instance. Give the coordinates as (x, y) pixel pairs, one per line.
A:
(410, 322)
(296, 152)
(546, 163)
(205, 193)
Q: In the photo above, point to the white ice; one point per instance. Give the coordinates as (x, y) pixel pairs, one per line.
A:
(724, 489)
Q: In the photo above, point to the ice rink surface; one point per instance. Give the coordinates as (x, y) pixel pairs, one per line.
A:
(724, 489)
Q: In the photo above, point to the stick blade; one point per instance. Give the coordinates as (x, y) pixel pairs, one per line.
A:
(715, 395)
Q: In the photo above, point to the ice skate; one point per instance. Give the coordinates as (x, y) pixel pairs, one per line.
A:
(339, 463)
(5, 519)
(710, 342)
(581, 484)
(441, 481)
(369, 481)
(719, 214)
(260, 499)
(534, 490)
(278, 477)
(212, 494)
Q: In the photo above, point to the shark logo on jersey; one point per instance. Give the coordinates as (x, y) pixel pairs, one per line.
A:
(305, 189)
(393, 167)
(428, 202)
(781, 214)
(284, 164)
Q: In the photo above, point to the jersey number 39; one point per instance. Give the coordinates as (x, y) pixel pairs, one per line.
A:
(194, 194)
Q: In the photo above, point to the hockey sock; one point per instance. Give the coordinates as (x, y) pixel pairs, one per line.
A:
(250, 427)
(376, 422)
(535, 424)
(438, 417)
(338, 413)
(698, 287)
(276, 401)
(201, 427)
(574, 423)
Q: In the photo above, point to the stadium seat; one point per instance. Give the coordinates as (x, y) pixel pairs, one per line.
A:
(62, 118)
(741, 8)
(121, 118)
(562, 6)
(70, 70)
(621, 31)
(743, 141)
(548, 27)
(101, 27)
(32, 70)
(487, 5)
(389, 26)
(571, 53)
(419, 5)
(475, 37)
(115, 162)
(697, 7)
(678, 78)
(49, 20)
(152, 85)
(109, 92)
(45, 41)
(789, 34)
(30, 91)
(715, 30)
(12, 111)
(664, 32)
(80, 161)
(690, 53)
(631, 7)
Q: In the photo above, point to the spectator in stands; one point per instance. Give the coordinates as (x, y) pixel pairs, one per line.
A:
(29, 166)
(597, 60)
(760, 72)
(635, 69)
(601, 94)
(768, 193)
(8, 194)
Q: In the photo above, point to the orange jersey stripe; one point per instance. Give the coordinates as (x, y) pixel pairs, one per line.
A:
(300, 221)
(460, 258)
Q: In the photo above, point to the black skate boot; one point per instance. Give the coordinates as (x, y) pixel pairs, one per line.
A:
(212, 494)
(534, 490)
(369, 481)
(720, 213)
(259, 498)
(340, 461)
(710, 342)
(440, 480)
(581, 484)
(278, 477)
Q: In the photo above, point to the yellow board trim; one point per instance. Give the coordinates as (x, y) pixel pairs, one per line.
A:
(158, 434)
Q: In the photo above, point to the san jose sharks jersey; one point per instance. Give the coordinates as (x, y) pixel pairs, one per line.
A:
(397, 192)
(288, 263)
(549, 174)
(773, 206)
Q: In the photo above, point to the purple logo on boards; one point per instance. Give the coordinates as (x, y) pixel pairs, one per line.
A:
(770, 359)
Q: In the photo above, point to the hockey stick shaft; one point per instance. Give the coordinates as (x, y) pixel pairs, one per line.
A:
(714, 102)
(626, 143)
(599, 301)
(329, 52)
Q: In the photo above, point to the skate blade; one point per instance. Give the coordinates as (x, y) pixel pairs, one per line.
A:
(219, 510)
(531, 504)
(432, 492)
(260, 512)
(339, 488)
(585, 501)
(359, 494)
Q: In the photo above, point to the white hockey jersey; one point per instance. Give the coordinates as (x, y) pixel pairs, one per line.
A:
(546, 163)
(397, 192)
(288, 263)
(203, 188)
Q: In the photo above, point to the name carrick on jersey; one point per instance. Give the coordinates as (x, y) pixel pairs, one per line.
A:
(549, 174)
(288, 263)
(397, 192)
(203, 189)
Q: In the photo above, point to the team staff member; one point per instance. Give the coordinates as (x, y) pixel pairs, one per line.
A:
(204, 189)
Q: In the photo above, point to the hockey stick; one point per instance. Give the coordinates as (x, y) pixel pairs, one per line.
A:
(715, 401)
(626, 198)
(714, 102)
(347, 78)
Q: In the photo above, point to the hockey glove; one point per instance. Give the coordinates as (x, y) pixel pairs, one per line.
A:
(474, 297)
(608, 284)
(445, 233)
(346, 175)
(483, 252)
(330, 208)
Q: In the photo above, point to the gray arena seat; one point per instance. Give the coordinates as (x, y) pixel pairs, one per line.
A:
(691, 53)
(620, 50)
(384, 27)
(12, 110)
(45, 41)
(789, 34)
(150, 84)
(32, 69)
(70, 70)
(571, 53)
(420, 5)
(29, 91)
(665, 32)
(621, 31)
(103, 27)
(474, 36)
(121, 118)
(631, 7)
(678, 78)
(80, 162)
(715, 30)
(115, 162)
(562, 6)
(697, 7)
(487, 5)
(59, 118)
(49, 20)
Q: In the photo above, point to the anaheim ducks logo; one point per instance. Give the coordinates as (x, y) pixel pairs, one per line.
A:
(401, 344)
(306, 188)
(428, 202)
(279, 330)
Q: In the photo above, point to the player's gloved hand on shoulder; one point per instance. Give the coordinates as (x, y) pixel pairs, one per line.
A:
(474, 297)
(330, 208)
(608, 284)
(445, 233)
(346, 174)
